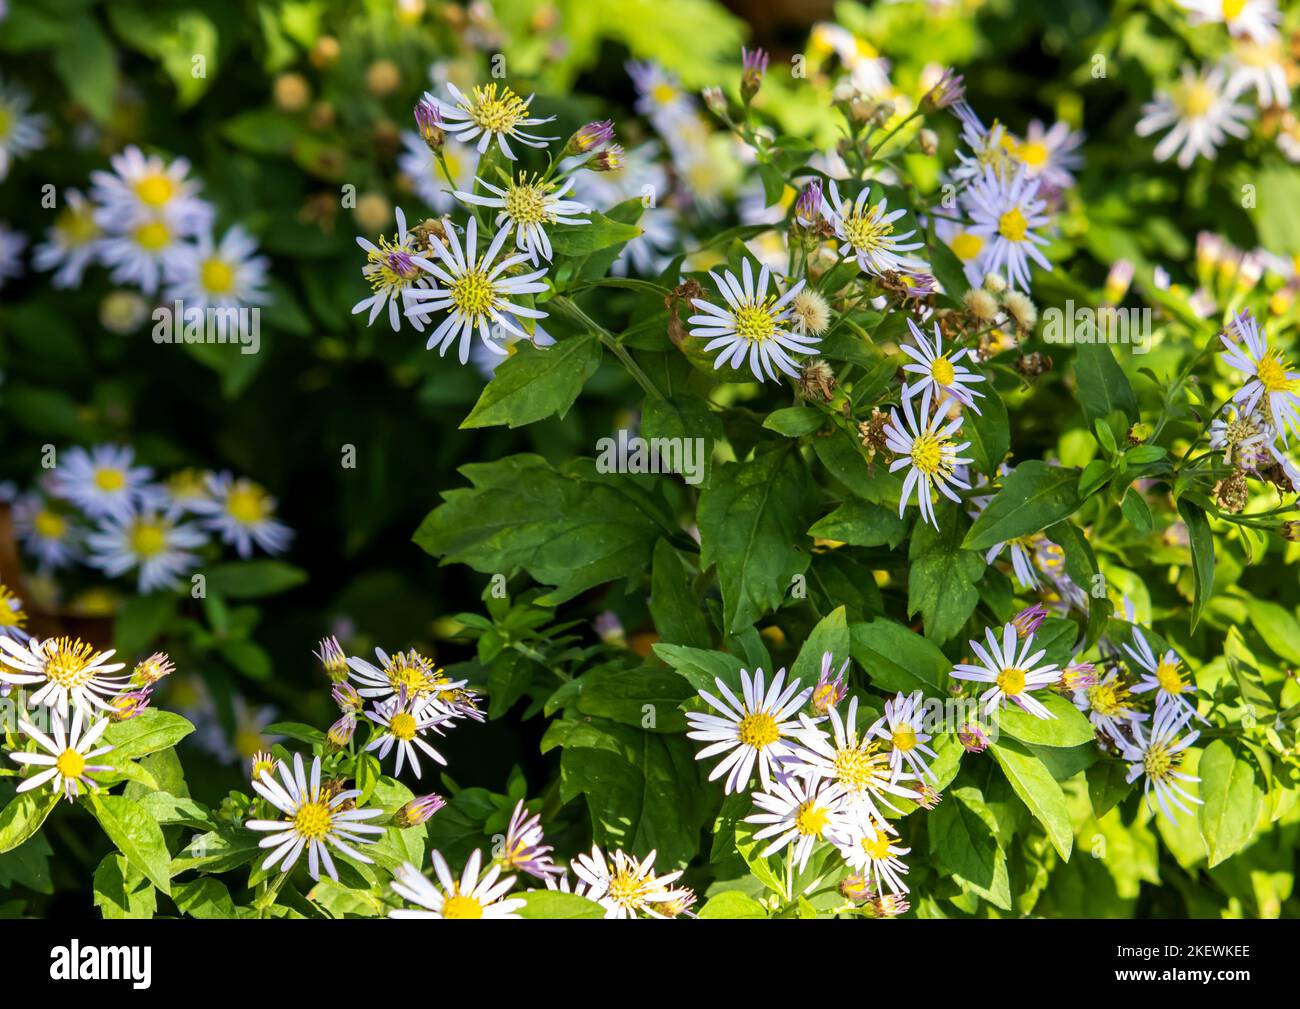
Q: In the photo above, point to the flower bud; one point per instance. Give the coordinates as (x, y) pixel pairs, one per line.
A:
(589, 137)
(428, 124)
(419, 809)
(753, 67)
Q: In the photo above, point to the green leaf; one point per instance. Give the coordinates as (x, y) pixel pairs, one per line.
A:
(1137, 511)
(1068, 728)
(1108, 785)
(680, 418)
(1032, 498)
(861, 524)
(941, 575)
(142, 619)
(1202, 544)
(896, 659)
(584, 239)
(701, 666)
(677, 615)
(152, 729)
(989, 432)
(137, 836)
(204, 898)
(732, 904)
(1231, 801)
(536, 382)
(85, 63)
(1038, 790)
(830, 635)
(555, 904)
(752, 520)
(1278, 627)
(795, 421)
(647, 697)
(1103, 386)
(253, 579)
(23, 815)
(963, 838)
(122, 891)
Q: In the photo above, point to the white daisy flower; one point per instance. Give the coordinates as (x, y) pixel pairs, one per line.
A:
(1163, 674)
(316, 819)
(143, 253)
(160, 548)
(1259, 68)
(869, 849)
(1243, 437)
(903, 727)
(854, 761)
(471, 896)
(967, 247)
(623, 886)
(1200, 111)
(1253, 19)
(21, 132)
(1156, 758)
(63, 672)
(1270, 379)
(661, 98)
(394, 272)
(67, 757)
(1108, 704)
(225, 274)
(990, 146)
(46, 533)
(529, 208)
(502, 344)
(1012, 669)
(1006, 212)
(473, 292)
(941, 372)
(1021, 550)
(419, 166)
(12, 616)
(752, 730)
(72, 242)
(927, 450)
(404, 720)
(1051, 155)
(101, 482)
(487, 115)
(12, 244)
(800, 813)
(755, 323)
(148, 192)
(866, 231)
(241, 511)
(186, 490)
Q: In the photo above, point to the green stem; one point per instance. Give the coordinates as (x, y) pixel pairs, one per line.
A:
(571, 309)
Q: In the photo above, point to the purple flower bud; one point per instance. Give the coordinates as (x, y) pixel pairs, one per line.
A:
(591, 136)
(753, 67)
(419, 809)
(1028, 620)
(428, 124)
(808, 207)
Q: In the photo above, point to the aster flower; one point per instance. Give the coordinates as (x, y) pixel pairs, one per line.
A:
(225, 274)
(946, 92)
(528, 206)
(523, 848)
(590, 137)
(71, 243)
(903, 727)
(830, 690)
(1108, 704)
(46, 533)
(143, 253)
(21, 132)
(1156, 757)
(927, 450)
(973, 737)
(852, 760)
(942, 372)
(1199, 113)
(989, 147)
(1259, 68)
(1253, 19)
(489, 114)
(751, 731)
(474, 895)
(1271, 379)
(419, 810)
(149, 192)
(623, 886)
(1243, 437)
(1164, 675)
(394, 271)
(404, 672)
(473, 292)
(161, 549)
(61, 672)
(1050, 154)
(12, 617)
(866, 232)
(334, 661)
(66, 762)
(1012, 669)
(1020, 550)
(241, 512)
(808, 206)
(316, 820)
(753, 324)
(800, 813)
(661, 97)
(1006, 212)
(868, 848)
(261, 762)
(405, 720)
(101, 482)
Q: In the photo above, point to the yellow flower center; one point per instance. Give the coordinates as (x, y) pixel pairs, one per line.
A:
(1011, 681)
(1108, 698)
(11, 611)
(472, 293)
(246, 504)
(148, 538)
(402, 725)
(155, 189)
(860, 767)
(1272, 371)
(404, 674)
(312, 820)
(876, 847)
(1032, 153)
(927, 453)
(217, 276)
(6, 121)
(1012, 225)
(77, 225)
(1159, 762)
(69, 663)
(1169, 677)
(497, 114)
(1232, 9)
(754, 323)
(867, 231)
(153, 236)
(664, 93)
(70, 763)
(49, 525)
(759, 729)
(247, 741)
(626, 889)
(109, 479)
(904, 738)
(811, 819)
(966, 246)
(389, 266)
(461, 906)
(942, 371)
(1193, 99)
(526, 204)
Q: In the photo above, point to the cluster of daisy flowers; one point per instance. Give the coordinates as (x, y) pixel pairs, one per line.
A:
(68, 694)
(97, 508)
(1207, 105)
